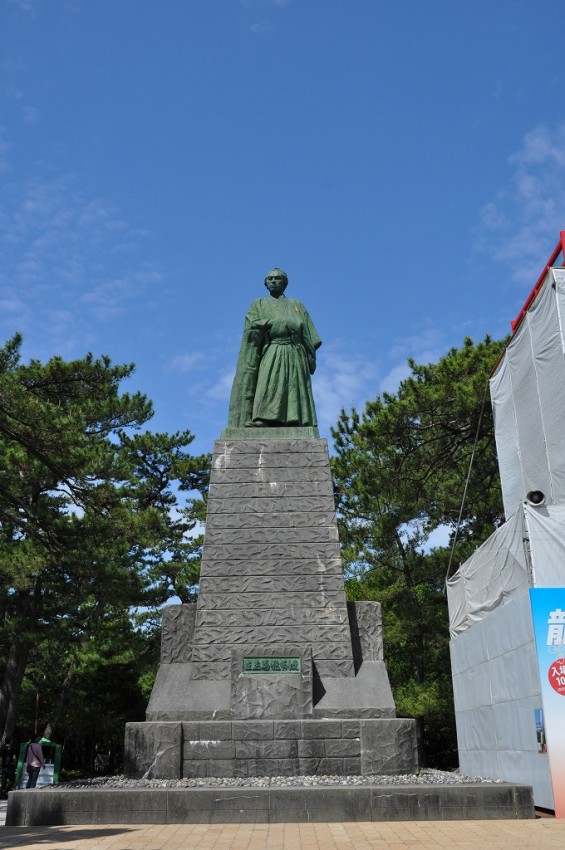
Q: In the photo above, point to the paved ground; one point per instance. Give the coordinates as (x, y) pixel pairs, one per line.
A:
(434, 835)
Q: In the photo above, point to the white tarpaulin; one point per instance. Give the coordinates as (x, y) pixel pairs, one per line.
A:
(500, 569)
(496, 572)
(528, 397)
(546, 532)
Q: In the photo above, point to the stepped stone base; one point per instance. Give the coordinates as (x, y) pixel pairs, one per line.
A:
(270, 748)
(270, 805)
(273, 672)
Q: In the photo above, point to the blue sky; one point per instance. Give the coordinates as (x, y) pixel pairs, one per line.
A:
(403, 161)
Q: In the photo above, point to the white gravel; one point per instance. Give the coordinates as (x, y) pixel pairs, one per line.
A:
(423, 777)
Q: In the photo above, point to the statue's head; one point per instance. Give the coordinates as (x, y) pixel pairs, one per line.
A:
(276, 282)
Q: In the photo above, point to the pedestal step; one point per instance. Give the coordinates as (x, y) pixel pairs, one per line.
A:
(245, 748)
(270, 805)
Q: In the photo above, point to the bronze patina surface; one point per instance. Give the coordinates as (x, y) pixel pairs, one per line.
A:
(272, 385)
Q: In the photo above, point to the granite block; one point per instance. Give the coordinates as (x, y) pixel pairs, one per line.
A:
(368, 694)
(270, 634)
(153, 750)
(312, 749)
(274, 567)
(256, 536)
(252, 730)
(195, 769)
(366, 631)
(191, 730)
(214, 749)
(343, 747)
(259, 442)
(321, 729)
(216, 730)
(286, 517)
(211, 653)
(389, 746)
(321, 767)
(366, 713)
(272, 767)
(213, 671)
(269, 460)
(177, 633)
(277, 483)
(268, 505)
(334, 668)
(181, 716)
(462, 802)
(221, 768)
(178, 695)
(268, 617)
(323, 805)
(293, 583)
(269, 551)
(267, 600)
(291, 729)
(350, 729)
(269, 749)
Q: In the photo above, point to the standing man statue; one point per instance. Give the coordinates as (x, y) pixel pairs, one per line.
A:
(272, 385)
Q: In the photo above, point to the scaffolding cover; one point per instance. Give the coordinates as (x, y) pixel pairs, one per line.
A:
(546, 533)
(528, 550)
(495, 573)
(528, 397)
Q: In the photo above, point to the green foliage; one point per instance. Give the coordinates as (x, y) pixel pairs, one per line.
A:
(400, 474)
(98, 520)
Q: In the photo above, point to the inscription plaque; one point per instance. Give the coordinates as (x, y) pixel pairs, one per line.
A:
(258, 664)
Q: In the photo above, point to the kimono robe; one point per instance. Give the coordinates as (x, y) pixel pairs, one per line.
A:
(277, 356)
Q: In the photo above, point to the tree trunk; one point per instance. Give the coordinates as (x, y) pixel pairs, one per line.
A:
(59, 705)
(16, 664)
(25, 617)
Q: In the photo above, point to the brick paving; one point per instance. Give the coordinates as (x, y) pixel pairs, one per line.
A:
(432, 835)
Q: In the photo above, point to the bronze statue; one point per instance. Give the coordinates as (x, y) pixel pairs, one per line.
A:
(272, 385)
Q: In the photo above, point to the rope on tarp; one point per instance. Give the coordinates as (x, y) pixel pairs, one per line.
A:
(471, 461)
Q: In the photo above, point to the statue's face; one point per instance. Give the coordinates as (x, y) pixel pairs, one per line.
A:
(276, 282)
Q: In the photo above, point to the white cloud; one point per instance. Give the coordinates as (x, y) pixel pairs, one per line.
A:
(520, 225)
(221, 390)
(27, 6)
(29, 114)
(262, 28)
(186, 362)
(391, 381)
(350, 379)
(107, 299)
(67, 251)
(4, 148)
(426, 347)
(342, 380)
(265, 26)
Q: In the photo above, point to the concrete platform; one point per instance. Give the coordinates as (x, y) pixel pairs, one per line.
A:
(270, 805)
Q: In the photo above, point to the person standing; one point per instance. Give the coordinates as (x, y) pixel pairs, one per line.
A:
(34, 761)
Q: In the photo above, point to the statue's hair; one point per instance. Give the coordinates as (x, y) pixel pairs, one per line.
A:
(276, 269)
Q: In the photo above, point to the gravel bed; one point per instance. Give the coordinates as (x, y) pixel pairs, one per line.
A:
(423, 777)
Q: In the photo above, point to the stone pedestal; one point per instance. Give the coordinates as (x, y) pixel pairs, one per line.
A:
(272, 672)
